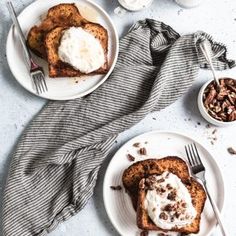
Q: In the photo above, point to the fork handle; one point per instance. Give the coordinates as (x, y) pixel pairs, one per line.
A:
(216, 211)
(19, 30)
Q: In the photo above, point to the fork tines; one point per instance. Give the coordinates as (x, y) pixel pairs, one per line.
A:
(193, 155)
(39, 81)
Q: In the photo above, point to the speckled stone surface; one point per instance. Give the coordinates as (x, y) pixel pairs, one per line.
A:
(18, 107)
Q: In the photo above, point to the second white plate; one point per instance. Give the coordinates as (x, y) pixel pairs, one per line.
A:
(158, 144)
(59, 88)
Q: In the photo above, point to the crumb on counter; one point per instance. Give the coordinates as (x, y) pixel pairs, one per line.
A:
(231, 150)
(118, 187)
(143, 151)
(130, 157)
(136, 145)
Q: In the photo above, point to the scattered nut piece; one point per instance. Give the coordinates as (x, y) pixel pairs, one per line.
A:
(118, 187)
(163, 216)
(130, 157)
(169, 187)
(136, 144)
(168, 207)
(143, 151)
(232, 151)
(214, 131)
(172, 195)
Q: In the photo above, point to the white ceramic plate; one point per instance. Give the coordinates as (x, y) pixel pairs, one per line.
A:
(59, 88)
(158, 144)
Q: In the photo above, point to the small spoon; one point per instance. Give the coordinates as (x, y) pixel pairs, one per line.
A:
(205, 48)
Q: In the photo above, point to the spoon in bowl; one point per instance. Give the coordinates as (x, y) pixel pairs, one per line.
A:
(205, 48)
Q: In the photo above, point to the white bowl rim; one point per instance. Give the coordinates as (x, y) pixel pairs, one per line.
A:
(214, 121)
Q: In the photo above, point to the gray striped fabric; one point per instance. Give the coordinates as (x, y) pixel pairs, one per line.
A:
(55, 165)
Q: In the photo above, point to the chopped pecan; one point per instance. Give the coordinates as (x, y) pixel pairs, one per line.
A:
(172, 195)
(231, 99)
(163, 216)
(130, 157)
(232, 116)
(231, 151)
(177, 214)
(231, 87)
(168, 207)
(118, 187)
(214, 131)
(160, 180)
(136, 144)
(211, 95)
(143, 151)
(160, 190)
(169, 187)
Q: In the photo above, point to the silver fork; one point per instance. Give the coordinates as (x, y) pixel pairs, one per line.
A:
(36, 71)
(198, 171)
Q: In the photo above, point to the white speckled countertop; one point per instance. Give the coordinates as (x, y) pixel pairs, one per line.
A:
(17, 106)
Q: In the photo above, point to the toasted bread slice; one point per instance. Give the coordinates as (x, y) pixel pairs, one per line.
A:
(57, 68)
(198, 196)
(63, 15)
(142, 169)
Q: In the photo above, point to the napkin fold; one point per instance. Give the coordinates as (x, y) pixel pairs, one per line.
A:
(55, 165)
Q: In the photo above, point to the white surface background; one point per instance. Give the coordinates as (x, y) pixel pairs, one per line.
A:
(17, 106)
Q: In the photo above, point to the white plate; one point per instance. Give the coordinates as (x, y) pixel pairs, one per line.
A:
(59, 88)
(159, 144)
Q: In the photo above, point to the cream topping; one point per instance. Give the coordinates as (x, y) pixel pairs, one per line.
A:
(168, 201)
(81, 50)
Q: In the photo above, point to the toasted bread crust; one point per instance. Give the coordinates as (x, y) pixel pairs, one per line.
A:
(132, 176)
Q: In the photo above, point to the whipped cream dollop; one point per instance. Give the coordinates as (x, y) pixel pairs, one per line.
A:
(168, 201)
(81, 50)
(135, 5)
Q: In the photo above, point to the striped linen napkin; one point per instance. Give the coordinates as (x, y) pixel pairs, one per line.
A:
(56, 162)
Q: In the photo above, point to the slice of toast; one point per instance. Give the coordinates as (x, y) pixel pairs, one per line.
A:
(198, 196)
(134, 178)
(57, 68)
(63, 15)
(142, 169)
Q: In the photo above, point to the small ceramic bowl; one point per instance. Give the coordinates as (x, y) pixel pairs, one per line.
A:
(189, 3)
(204, 112)
(137, 5)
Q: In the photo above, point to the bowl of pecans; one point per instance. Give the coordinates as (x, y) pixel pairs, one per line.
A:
(218, 106)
